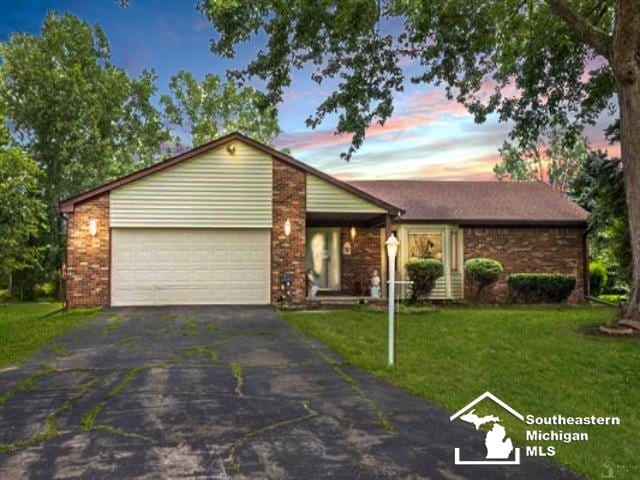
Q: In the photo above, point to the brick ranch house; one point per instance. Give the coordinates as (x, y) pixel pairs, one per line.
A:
(231, 221)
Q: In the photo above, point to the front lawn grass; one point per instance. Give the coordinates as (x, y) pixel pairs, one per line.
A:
(25, 327)
(541, 360)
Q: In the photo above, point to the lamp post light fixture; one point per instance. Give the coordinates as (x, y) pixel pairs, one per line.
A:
(392, 251)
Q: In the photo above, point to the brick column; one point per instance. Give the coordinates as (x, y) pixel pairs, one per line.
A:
(288, 254)
(89, 257)
(357, 268)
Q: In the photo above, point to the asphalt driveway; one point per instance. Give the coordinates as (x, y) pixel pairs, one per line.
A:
(220, 392)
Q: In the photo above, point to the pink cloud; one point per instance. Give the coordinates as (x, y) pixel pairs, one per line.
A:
(435, 104)
(603, 144)
(594, 64)
(474, 168)
(312, 139)
(419, 110)
(400, 123)
(510, 90)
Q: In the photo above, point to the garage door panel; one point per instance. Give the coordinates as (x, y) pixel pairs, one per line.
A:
(201, 256)
(157, 266)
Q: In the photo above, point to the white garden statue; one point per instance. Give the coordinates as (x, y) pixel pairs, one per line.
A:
(375, 285)
(313, 285)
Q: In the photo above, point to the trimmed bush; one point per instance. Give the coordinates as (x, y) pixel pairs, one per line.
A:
(597, 278)
(541, 287)
(423, 272)
(481, 273)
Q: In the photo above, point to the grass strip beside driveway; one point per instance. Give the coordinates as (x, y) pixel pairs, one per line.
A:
(25, 327)
(540, 360)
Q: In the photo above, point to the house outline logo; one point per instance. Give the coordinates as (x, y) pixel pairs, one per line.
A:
(495, 419)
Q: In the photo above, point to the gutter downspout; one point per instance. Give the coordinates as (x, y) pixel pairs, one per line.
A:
(63, 267)
(585, 263)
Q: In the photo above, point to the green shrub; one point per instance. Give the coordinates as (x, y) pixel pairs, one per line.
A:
(541, 287)
(44, 290)
(614, 298)
(597, 278)
(423, 272)
(481, 273)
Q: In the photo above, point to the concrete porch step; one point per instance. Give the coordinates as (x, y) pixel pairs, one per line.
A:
(335, 300)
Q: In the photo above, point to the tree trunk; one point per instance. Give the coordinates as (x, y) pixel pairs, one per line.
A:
(629, 98)
(625, 62)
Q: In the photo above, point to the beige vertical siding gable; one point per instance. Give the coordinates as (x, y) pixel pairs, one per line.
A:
(323, 196)
(213, 190)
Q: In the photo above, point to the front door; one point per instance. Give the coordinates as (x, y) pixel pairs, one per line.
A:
(323, 257)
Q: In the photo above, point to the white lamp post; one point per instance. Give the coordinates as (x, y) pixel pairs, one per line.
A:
(392, 251)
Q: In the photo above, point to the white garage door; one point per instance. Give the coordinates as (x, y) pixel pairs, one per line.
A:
(165, 266)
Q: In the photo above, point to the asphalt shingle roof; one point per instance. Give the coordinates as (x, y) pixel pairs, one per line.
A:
(477, 202)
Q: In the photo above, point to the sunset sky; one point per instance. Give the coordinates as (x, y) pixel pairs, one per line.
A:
(428, 137)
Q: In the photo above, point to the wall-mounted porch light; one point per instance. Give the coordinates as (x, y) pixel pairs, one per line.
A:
(231, 148)
(353, 233)
(93, 227)
(287, 227)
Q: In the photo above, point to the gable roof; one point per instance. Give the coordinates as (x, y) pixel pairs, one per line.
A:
(68, 205)
(479, 203)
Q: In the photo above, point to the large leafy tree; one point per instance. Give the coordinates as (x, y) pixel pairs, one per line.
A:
(557, 164)
(216, 107)
(82, 119)
(599, 187)
(543, 64)
(22, 211)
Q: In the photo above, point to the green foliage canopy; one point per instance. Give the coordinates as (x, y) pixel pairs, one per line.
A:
(214, 107)
(558, 164)
(22, 212)
(523, 51)
(599, 188)
(82, 119)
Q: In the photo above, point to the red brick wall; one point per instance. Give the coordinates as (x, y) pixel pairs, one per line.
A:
(548, 250)
(288, 254)
(88, 257)
(357, 268)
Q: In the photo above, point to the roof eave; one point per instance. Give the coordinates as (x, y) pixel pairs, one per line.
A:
(499, 222)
